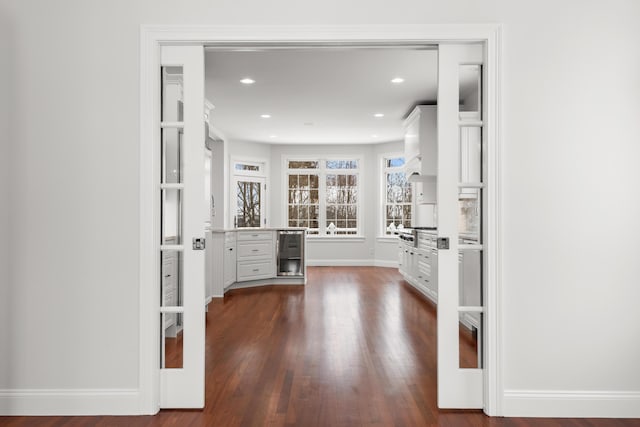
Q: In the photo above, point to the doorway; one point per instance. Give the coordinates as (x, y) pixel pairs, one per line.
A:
(155, 36)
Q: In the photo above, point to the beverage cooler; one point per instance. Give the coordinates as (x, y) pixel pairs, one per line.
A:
(290, 252)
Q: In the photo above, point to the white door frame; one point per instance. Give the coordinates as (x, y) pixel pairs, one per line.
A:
(152, 36)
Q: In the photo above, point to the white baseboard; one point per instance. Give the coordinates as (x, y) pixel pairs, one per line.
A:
(385, 263)
(351, 263)
(582, 404)
(70, 402)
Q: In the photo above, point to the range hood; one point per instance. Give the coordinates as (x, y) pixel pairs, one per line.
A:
(417, 177)
(414, 172)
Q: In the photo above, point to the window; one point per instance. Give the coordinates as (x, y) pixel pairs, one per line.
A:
(249, 187)
(397, 202)
(323, 195)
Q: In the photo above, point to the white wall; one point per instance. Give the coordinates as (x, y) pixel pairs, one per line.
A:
(571, 200)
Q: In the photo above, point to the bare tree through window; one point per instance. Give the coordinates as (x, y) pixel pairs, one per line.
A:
(248, 204)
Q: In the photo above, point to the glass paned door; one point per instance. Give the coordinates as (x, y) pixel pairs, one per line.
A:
(181, 265)
(250, 198)
(460, 189)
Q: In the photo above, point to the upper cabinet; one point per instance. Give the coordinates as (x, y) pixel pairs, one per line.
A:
(421, 151)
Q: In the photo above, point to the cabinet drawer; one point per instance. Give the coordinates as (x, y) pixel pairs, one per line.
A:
(255, 270)
(426, 241)
(255, 250)
(255, 235)
(424, 268)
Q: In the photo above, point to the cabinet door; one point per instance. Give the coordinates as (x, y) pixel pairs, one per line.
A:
(411, 138)
(229, 265)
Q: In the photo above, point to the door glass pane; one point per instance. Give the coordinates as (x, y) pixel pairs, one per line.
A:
(171, 155)
(470, 278)
(171, 94)
(470, 339)
(470, 85)
(171, 286)
(249, 198)
(171, 217)
(172, 340)
(470, 165)
(470, 215)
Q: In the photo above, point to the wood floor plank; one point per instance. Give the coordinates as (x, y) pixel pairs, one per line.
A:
(356, 346)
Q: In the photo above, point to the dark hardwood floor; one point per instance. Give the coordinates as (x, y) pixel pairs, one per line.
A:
(355, 347)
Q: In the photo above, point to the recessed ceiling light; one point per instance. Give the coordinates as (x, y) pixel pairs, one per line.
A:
(247, 81)
(378, 115)
(265, 116)
(273, 136)
(374, 136)
(397, 80)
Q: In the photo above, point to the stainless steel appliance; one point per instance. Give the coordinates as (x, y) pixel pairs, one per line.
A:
(290, 252)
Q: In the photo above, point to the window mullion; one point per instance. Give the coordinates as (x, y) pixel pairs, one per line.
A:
(322, 201)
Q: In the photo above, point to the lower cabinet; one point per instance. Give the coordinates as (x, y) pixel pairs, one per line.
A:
(237, 257)
(418, 265)
(256, 255)
(221, 262)
(230, 257)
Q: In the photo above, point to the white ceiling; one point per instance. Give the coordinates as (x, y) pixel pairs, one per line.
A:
(324, 96)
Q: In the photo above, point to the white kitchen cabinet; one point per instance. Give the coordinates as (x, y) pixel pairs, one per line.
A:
(244, 258)
(420, 152)
(400, 256)
(230, 259)
(418, 264)
(221, 261)
(256, 255)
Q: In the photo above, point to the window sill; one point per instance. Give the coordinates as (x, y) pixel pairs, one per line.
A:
(336, 238)
(387, 239)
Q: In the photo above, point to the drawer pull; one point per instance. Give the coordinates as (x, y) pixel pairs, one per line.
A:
(255, 235)
(255, 270)
(254, 250)
(167, 275)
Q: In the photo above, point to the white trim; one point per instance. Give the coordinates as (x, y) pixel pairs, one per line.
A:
(151, 36)
(493, 243)
(149, 332)
(262, 173)
(385, 263)
(571, 403)
(322, 172)
(70, 402)
(339, 262)
(382, 194)
(351, 263)
(272, 281)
